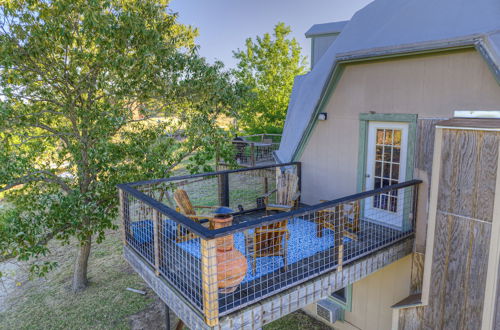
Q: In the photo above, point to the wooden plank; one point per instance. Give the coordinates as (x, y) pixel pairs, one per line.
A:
(424, 149)
(424, 152)
(480, 235)
(417, 272)
(455, 277)
(487, 165)
(431, 225)
(209, 281)
(438, 270)
(491, 312)
(465, 146)
(411, 318)
(496, 321)
(447, 177)
(121, 196)
(485, 123)
(156, 239)
(469, 164)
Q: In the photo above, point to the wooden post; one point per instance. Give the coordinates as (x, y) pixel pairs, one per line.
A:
(156, 232)
(167, 317)
(223, 181)
(339, 236)
(121, 196)
(209, 281)
(299, 175)
(252, 154)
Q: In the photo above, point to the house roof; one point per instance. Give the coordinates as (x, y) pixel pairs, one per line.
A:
(325, 28)
(387, 27)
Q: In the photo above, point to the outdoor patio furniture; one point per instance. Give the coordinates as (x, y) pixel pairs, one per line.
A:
(267, 241)
(351, 212)
(185, 207)
(339, 217)
(239, 144)
(287, 193)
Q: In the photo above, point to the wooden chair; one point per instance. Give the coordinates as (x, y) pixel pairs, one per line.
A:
(267, 241)
(339, 218)
(351, 212)
(287, 193)
(185, 207)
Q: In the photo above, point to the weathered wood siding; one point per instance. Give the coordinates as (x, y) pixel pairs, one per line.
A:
(424, 151)
(417, 272)
(497, 307)
(469, 161)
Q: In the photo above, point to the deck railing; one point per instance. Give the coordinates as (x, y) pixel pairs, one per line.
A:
(222, 270)
(252, 150)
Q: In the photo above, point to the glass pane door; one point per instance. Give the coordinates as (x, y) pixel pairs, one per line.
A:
(386, 164)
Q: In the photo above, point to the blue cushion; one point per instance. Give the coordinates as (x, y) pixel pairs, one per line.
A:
(169, 229)
(142, 231)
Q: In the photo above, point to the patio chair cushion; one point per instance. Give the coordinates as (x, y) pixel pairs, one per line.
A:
(142, 231)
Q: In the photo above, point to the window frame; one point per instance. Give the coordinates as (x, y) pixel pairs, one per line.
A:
(347, 304)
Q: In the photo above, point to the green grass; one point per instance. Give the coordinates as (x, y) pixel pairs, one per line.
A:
(49, 304)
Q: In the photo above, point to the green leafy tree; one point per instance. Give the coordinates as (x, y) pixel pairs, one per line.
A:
(96, 93)
(268, 67)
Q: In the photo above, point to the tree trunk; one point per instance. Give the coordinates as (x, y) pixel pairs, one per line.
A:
(80, 272)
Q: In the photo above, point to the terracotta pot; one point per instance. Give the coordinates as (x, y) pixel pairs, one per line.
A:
(231, 263)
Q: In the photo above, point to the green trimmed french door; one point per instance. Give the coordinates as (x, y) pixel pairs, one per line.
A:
(386, 157)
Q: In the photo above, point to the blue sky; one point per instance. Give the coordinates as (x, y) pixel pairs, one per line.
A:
(225, 24)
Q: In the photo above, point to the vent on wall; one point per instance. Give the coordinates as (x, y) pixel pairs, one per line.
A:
(329, 311)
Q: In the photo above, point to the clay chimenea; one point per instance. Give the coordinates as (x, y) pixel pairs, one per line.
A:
(231, 263)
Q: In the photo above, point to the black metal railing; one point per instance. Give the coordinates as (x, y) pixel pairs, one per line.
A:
(222, 270)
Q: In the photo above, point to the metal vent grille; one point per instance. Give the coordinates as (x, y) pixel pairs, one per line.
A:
(324, 313)
(328, 310)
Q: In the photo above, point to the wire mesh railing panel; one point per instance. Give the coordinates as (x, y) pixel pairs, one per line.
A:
(263, 152)
(254, 153)
(221, 262)
(301, 245)
(138, 226)
(179, 260)
(247, 190)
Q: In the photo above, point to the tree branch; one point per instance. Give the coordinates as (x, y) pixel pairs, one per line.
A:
(38, 176)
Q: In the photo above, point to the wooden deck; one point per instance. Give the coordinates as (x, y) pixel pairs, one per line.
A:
(372, 238)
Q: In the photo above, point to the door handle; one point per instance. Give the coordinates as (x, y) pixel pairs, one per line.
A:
(367, 175)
